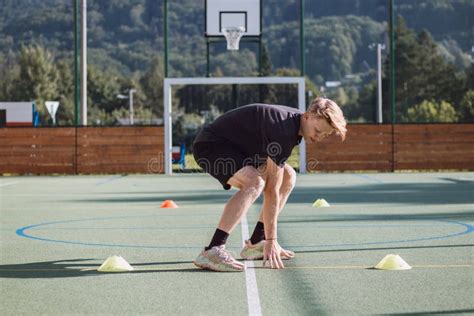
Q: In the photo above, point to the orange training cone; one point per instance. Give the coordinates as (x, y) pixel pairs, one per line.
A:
(169, 204)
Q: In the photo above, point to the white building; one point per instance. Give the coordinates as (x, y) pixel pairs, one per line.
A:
(18, 114)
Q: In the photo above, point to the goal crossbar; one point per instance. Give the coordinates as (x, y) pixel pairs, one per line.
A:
(167, 95)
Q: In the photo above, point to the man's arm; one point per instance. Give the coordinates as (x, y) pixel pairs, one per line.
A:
(274, 178)
(271, 202)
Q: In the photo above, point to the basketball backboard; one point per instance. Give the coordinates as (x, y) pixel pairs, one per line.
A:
(233, 13)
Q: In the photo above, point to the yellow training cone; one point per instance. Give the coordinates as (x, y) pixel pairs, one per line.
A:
(115, 264)
(321, 203)
(392, 262)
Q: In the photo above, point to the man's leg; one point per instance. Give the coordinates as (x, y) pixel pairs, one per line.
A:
(253, 248)
(250, 184)
(287, 186)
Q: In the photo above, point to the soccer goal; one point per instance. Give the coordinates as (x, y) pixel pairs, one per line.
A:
(167, 96)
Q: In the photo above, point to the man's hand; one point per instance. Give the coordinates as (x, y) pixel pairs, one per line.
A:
(272, 255)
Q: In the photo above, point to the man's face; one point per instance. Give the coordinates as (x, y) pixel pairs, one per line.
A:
(315, 128)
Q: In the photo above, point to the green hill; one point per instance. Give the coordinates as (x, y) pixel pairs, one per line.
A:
(125, 48)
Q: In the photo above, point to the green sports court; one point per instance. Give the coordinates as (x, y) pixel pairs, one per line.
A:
(104, 110)
(56, 231)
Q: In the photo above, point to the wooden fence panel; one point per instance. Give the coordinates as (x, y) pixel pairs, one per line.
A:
(434, 146)
(70, 150)
(120, 149)
(37, 150)
(367, 147)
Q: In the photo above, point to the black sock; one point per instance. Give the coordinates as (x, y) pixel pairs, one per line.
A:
(258, 234)
(219, 238)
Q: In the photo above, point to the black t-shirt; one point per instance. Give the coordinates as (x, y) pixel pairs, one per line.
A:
(258, 130)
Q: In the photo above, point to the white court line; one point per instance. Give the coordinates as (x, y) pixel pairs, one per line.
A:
(250, 278)
(8, 183)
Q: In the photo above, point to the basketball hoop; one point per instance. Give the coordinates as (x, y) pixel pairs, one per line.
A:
(232, 36)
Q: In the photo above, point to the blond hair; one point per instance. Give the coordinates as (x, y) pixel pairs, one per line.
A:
(330, 111)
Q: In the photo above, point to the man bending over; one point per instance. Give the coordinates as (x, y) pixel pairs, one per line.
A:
(247, 148)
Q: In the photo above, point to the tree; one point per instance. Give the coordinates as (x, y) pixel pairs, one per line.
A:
(439, 79)
(152, 85)
(9, 72)
(99, 117)
(431, 111)
(142, 116)
(421, 72)
(362, 109)
(266, 91)
(126, 36)
(467, 107)
(240, 63)
(38, 78)
(186, 126)
(102, 89)
(287, 94)
(335, 45)
(65, 94)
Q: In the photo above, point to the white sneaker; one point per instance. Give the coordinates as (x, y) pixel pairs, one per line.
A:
(218, 259)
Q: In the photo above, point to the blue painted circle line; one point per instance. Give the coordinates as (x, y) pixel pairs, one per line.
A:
(469, 229)
(22, 232)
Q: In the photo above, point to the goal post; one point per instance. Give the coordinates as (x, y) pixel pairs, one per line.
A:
(167, 95)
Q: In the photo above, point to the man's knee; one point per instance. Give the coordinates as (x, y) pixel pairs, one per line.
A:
(248, 179)
(254, 184)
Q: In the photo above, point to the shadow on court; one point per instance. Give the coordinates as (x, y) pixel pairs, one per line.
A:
(78, 268)
(445, 312)
(384, 248)
(454, 192)
(455, 216)
(406, 193)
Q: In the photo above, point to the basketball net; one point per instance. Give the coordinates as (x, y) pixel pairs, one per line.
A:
(232, 36)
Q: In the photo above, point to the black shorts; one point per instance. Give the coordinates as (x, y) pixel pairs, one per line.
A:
(222, 160)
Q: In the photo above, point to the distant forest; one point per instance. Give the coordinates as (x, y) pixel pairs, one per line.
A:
(434, 73)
